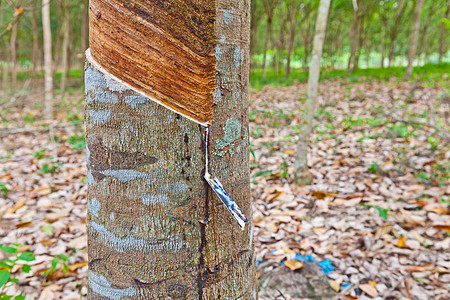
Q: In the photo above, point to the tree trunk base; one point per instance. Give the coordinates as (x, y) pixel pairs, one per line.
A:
(303, 178)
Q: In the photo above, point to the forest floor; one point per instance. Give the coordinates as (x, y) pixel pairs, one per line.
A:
(373, 225)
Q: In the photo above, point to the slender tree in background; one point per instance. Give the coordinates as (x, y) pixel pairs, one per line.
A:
(269, 6)
(301, 172)
(155, 229)
(354, 35)
(84, 25)
(48, 88)
(35, 29)
(442, 38)
(65, 47)
(401, 8)
(13, 49)
(306, 32)
(413, 40)
(292, 14)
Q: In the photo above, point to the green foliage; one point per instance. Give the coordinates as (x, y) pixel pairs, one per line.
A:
(266, 173)
(6, 266)
(40, 154)
(50, 167)
(4, 189)
(58, 260)
(373, 168)
(77, 142)
(433, 73)
(383, 212)
(284, 169)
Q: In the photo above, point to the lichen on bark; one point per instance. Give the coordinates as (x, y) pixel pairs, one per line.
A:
(155, 231)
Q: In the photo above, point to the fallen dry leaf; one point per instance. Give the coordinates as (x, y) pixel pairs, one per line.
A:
(293, 264)
(369, 290)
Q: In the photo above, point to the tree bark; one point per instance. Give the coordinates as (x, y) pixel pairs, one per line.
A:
(442, 39)
(48, 88)
(292, 13)
(155, 229)
(65, 47)
(301, 173)
(413, 40)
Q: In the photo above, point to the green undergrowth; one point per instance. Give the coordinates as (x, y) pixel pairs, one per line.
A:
(434, 73)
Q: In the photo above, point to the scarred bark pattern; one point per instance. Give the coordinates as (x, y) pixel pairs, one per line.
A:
(155, 229)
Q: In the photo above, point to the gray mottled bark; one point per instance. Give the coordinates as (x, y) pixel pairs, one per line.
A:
(301, 173)
(155, 229)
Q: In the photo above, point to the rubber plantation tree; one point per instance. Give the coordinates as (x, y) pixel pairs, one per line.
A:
(166, 89)
(301, 172)
(413, 40)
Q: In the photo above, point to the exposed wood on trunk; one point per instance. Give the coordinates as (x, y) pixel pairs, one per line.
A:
(301, 173)
(413, 40)
(48, 88)
(155, 229)
(171, 46)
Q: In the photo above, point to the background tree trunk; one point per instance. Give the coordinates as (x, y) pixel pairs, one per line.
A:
(301, 172)
(413, 40)
(5, 71)
(13, 49)
(155, 229)
(85, 26)
(395, 28)
(65, 47)
(292, 14)
(34, 26)
(442, 40)
(59, 38)
(354, 35)
(48, 88)
(266, 44)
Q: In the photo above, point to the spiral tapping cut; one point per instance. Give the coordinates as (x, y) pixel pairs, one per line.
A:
(218, 188)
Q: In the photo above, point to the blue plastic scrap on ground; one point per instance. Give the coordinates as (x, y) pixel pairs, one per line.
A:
(326, 266)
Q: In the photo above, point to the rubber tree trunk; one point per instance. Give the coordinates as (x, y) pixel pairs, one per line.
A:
(48, 85)
(13, 49)
(266, 44)
(394, 30)
(85, 26)
(65, 48)
(301, 172)
(353, 36)
(442, 39)
(292, 14)
(155, 229)
(413, 40)
(35, 29)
